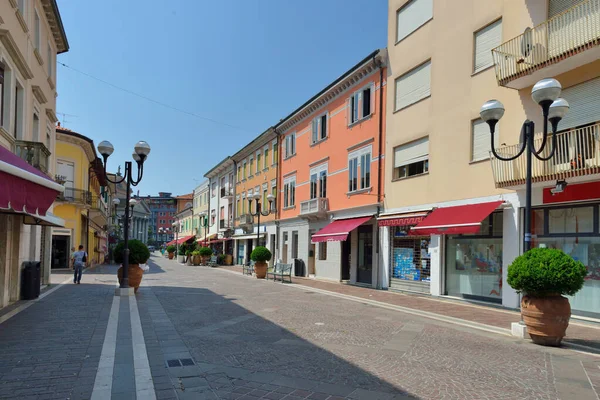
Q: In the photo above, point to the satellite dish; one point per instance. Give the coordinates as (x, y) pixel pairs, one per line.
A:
(526, 42)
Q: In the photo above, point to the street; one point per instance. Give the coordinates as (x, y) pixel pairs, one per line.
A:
(213, 333)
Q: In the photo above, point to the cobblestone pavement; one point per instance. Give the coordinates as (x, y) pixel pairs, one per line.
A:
(255, 339)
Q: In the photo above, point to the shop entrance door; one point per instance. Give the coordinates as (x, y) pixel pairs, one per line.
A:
(248, 250)
(240, 255)
(346, 260)
(311, 259)
(365, 255)
(60, 251)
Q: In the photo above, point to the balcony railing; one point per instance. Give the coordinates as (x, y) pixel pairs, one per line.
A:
(577, 154)
(79, 196)
(564, 35)
(314, 207)
(35, 153)
(224, 224)
(98, 204)
(226, 192)
(246, 219)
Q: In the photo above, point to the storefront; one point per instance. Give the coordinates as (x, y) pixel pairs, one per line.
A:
(409, 255)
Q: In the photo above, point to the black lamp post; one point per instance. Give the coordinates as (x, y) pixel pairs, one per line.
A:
(142, 149)
(259, 212)
(546, 93)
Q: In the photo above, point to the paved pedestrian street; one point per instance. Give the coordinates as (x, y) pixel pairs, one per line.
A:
(211, 333)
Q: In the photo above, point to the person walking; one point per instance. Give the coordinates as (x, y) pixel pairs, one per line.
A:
(71, 259)
(79, 261)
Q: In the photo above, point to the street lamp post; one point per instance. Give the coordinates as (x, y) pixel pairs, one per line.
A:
(546, 93)
(176, 227)
(259, 212)
(142, 149)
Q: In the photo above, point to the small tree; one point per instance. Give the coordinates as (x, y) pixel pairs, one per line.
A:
(138, 252)
(205, 251)
(260, 254)
(171, 248)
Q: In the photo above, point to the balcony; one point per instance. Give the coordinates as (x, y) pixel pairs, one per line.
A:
(314, 208)
(226, 192)
(76, 196)
(562, 43)
(99, 211)
(577, 154)
(225, 224)
(35, 153)
(246, 219)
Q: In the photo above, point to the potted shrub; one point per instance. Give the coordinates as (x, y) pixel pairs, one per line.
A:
(196, 257)
(138, 254)
(221, 259)
(171, 251)
(544, 275)
(181, 253)
(260, 255)
(205, 253)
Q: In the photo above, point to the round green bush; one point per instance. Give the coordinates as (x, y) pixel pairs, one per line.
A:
(196, 252)
(543, 271)
(171, 248)
(138, 252)
(260, 254)
(205, 251)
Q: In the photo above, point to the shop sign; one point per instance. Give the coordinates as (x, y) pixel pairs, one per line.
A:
(573, 192)
(401, 221)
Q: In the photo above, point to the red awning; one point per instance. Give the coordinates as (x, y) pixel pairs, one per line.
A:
(23, 188)
(185, 239)
(338, 230)
(401, 219)
(455, 220)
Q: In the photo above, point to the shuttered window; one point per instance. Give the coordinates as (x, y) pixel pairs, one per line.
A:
(480, 140)
(413, 86)
(412, 152)
(555, 7)
(485, 40)
(584, 103)
(411, 16)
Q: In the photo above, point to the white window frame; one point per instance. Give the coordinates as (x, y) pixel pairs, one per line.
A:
(416, 23)
(360, 156)
(274, 145)
(289, 192)
(426, 91)
(244, 165)
(355, 104)
(424, 158)
(485, 52)
(37, 30)
(250, 169)
(316, 128)
(290, 139)
(317, 173)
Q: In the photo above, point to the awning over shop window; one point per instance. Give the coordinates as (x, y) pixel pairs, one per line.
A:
(184, 239)
(23, 188)
(250, 236)
(405, 219)
(47, 220)
(455, 220)
(338, 230)
(211, 237)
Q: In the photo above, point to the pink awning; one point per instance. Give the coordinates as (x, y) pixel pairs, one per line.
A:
(339, 230)
(23, 188)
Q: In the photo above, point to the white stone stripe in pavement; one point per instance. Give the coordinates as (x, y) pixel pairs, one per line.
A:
(144, 385)
(104, 375)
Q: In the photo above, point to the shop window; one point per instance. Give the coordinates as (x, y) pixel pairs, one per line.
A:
(571, 220)
(322, 250)
(411, 260)
(411, 159)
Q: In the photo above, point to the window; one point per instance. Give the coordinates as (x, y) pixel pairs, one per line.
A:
(485, 40)
(290, 145)
(238, 208)
(222, 182)
(239, 173)
(360, 105)
(265, 202)
(251, 166)
(19, 104)
(319, 128)
(318, 182)
(480, 140)
(1, 95)
(213, 191)
(289, 192)
(274, 154)
(322, 250)
(411, 159)
(37, 29)
(412, 16)
(413, 86)
(294, 244)
(244, 170)
(258, 156)
(359, 169)
(49, 59)
(21, 5)
(266, 158)
(274, 188)
(36, 127)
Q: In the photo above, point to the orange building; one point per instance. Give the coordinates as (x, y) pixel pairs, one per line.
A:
(330, 177)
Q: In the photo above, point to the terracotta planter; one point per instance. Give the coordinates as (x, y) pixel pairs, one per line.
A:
(134, 275)
(171, 255)
(205, 260)
(196, 260)
(228, 259)
(546, 318)
(260, 269)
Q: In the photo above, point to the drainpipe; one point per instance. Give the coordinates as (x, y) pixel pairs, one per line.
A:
(379, 63)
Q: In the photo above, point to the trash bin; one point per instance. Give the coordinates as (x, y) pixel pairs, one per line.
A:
(30, 280)
(298, 267)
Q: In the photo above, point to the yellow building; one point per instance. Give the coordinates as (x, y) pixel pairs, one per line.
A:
(84, 205)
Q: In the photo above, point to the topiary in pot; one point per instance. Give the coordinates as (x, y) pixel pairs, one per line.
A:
(196, 257)
(544, 276)
(260, 255)
(171, 251)
(205, 253)
(138, 254)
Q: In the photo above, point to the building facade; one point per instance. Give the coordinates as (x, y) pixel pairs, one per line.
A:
(220, 217)
(453, 218)
(200, 219)
(183, 224)
(256, 172)
(330, 180)
(31, 36)
(162, 215)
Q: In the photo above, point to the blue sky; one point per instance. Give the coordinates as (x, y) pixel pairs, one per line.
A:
(244, 63)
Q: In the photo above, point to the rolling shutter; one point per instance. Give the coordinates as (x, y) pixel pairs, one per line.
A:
(412, 152)
(480, 144)
(555, 7)
(410, 17)
(485, 40)
(413, 86)
(584, 103)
